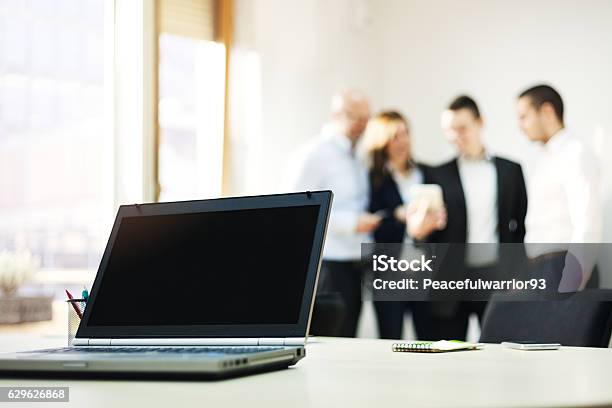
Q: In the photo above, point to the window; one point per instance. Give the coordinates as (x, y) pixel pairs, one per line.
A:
(74, 118)
(191, 101)
(55, 154)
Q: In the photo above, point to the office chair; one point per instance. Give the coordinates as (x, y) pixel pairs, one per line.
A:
(327, 315)
(580, 319)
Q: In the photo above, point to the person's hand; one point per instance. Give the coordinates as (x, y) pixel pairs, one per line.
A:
(400, 213)
(368, 222)
(422, 221)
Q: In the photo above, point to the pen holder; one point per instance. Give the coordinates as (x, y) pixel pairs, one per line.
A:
(74, 319)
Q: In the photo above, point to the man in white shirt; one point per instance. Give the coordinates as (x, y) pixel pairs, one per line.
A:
(330, 162)
(564, 193)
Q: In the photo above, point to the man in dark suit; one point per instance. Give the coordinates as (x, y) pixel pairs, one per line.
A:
(486, 203)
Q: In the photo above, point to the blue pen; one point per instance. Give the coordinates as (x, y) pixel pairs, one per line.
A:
(85, 296)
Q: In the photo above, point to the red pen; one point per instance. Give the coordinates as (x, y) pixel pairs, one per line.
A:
(76, 307)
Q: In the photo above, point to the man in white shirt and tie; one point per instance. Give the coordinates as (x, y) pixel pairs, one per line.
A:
(564, 193)
(330, 162)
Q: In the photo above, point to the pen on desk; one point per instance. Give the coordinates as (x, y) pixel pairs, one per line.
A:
(74, 304)
(85, 296)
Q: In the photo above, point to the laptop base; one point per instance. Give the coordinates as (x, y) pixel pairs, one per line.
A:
(149, 376)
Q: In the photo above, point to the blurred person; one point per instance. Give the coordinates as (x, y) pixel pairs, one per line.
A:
(387, 147)
(486, 202)
(564, 192)
(330, 162)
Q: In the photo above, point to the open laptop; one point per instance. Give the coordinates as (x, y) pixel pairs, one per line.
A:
(207, 288)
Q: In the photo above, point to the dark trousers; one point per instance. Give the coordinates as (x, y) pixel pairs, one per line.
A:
(446, 320)
(432, 320)
(344, 277)
(390, 318)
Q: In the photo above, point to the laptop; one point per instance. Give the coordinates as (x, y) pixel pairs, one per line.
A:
(207, 288)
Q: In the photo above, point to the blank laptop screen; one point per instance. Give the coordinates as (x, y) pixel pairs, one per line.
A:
(208, 268)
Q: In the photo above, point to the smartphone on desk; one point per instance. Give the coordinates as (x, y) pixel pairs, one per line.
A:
(530, 345)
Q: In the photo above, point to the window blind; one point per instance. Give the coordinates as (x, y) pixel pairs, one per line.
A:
(187, 18)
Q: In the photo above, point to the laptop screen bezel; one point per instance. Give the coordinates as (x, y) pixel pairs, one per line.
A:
(320, 198)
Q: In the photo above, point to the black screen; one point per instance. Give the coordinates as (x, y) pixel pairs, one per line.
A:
(208, 268)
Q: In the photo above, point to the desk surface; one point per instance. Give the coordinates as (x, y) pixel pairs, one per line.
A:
(365, 373)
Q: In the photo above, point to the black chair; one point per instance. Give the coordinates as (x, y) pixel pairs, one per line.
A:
(327, 315)
(580, 319)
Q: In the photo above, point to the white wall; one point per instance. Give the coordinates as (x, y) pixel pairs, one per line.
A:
(415, 56)
(289, 58)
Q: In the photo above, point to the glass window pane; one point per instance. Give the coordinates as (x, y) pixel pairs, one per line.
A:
(55, 157)
(191, 100)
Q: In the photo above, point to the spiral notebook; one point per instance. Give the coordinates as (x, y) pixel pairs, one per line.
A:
(435, 346)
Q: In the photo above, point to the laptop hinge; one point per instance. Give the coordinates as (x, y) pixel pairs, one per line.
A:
(294, 341)
(80, 342)
(91, 342)
(282, 341)
(271, 341)
(236, 341)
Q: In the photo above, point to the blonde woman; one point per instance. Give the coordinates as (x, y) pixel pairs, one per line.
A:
(388, 152)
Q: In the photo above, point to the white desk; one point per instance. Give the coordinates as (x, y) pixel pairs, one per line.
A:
(365, 373)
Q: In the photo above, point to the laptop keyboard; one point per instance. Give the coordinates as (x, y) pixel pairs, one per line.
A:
(189, 350)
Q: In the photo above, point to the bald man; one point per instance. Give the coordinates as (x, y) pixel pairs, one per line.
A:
(330, 163)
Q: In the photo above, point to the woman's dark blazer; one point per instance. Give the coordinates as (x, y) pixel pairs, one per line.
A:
(385, 196)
